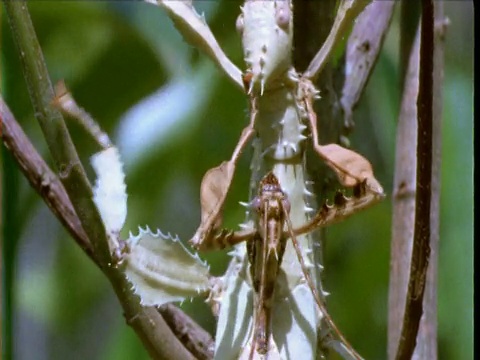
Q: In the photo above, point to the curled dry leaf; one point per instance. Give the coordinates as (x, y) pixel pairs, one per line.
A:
(213, 191)
(350, 167)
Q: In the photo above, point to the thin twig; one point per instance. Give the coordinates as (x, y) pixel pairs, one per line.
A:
(421, 238)
(42, 178)
(409, 19)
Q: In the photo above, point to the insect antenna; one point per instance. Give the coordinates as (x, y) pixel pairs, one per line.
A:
(311, 285)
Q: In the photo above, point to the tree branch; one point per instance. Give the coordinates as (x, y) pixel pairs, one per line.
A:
(403, 199)
(427, 336)
(421, 237)
(42, 178)
(198, 341)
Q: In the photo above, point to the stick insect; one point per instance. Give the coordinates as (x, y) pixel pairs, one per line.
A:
(282, 119)
(282, 124)
(267, 246)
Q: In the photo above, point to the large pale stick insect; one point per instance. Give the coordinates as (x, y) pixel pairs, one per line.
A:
(281, 119)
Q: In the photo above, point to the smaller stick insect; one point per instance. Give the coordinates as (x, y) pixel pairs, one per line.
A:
(267, 245)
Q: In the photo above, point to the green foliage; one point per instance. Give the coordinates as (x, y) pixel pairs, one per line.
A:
(113, 55)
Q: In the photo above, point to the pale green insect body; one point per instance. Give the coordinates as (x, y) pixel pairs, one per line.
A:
(266, 28)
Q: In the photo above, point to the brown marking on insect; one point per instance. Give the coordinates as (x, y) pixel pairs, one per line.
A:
(265, 251)
(247, 79)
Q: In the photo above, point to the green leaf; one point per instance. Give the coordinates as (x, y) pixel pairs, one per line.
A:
(162, 270)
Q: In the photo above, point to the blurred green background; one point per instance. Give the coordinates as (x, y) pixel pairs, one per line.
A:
(173, 116)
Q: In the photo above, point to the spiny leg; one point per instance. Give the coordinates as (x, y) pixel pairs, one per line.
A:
(350, 167)
(65, 102)
(312, 122)
(213, 192)
(247, 132)
(311, 285)
(342, 208)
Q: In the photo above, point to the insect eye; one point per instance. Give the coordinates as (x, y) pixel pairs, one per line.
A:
(239, 24)
(282, 17)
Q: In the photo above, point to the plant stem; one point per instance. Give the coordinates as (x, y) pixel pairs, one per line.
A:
(42, 178)
(53, 126)
(403, 198)
(421, 237)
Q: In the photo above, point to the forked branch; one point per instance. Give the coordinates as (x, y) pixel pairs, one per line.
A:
(49, 187)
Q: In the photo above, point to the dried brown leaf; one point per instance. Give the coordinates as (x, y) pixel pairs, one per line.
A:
(213, 192)
(348, 160)
(350, 167)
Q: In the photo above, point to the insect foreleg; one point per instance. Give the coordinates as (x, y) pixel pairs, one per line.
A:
(311, 285)
(213, 192)
(342, 208)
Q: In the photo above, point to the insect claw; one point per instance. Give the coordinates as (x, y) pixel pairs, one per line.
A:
(308, 209)
(245, 204)
(307, 192)
(250, 88)
(309, 264)
(244, 226)
(267, 150)
(340, 199)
